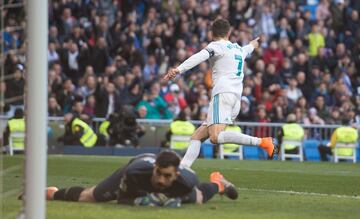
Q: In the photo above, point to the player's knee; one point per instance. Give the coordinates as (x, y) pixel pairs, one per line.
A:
(87, 195)
(214, 139)
(196, 136)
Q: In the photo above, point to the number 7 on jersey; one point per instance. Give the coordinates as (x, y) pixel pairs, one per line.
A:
(239, 69)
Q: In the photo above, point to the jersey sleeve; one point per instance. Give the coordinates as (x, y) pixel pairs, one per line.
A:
(248, 49)
(211, 50)
(185, 182)
(135, 173)
(214, 50)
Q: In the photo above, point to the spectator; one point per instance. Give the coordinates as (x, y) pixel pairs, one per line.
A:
(107, 99)
(66, 22)
(337, 12)
(344, 134)
(52, 53)
(175, 100)
(151, 69)
(131, 48)
(280, 109)
(313, 118)
(15, 89)
(290, 131)
(274, 55)
(304, 85)
(321, 107)
(90, 106)
(322, 10)
(316, 40)
(261, 117)
(54, 108)
(66, 96)
(180, 126)
(246, 114)
(89, 88)
(77, 132)
(15, 124)
(135, 93)
(292, 91)
(142, 112)
(335, 117)
(267, 24)
(200, 108)
(99, 55)
(271, 79)
(155, 105)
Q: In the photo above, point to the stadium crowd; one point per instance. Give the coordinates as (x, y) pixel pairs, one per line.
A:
(106, 54)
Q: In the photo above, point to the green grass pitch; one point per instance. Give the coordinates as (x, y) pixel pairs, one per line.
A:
(267, 189)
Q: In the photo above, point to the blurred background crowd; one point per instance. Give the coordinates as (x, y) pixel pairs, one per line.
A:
(111, 53)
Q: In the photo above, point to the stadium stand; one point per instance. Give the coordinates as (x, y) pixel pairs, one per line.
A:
(308, 63)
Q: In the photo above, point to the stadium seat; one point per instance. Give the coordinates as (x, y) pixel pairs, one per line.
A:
(179, 138)
(15, 135)
(284, 155)
(238, 154)
(253, 153)
(311, 151)
(207, 150)
(345, 145)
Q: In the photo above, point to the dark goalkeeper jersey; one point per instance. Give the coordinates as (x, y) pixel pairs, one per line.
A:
(135, 180)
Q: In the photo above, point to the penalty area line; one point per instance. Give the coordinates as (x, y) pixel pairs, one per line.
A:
(289, 192)
(9, 170)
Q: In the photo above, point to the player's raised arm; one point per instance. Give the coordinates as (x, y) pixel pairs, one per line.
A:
(188, 64)
(251, 46)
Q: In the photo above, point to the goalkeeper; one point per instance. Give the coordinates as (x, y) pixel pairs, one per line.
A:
(149, 180)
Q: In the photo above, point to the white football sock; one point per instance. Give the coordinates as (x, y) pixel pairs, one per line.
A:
(237, 138)
(192, 153)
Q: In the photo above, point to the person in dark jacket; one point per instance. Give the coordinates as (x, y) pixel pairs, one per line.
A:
(107, 100)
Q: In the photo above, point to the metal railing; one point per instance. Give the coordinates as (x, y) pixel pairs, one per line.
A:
(320, 132)
(156, 129)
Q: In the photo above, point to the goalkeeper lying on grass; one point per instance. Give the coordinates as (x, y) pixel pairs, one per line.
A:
(150, 180)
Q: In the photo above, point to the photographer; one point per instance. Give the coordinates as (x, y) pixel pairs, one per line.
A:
(123, 128)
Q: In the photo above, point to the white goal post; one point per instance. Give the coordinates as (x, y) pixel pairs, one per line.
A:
(36, 109)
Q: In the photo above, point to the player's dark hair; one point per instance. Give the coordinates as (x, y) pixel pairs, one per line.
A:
(220, 28)
(167, 158)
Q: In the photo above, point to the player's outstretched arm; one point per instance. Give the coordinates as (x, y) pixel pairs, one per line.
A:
(171, 74)
(251, 46)
(188, 64)
(255, 42)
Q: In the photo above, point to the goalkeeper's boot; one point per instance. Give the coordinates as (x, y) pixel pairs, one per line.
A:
(225, 187)
(271, 146)
(50, 191)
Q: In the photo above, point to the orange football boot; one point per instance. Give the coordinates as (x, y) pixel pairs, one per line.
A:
(270, 145)
(225, 186)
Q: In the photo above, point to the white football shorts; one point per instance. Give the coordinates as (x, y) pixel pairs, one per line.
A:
(223, 109)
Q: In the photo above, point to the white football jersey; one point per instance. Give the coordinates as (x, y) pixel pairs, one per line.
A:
(227, 62)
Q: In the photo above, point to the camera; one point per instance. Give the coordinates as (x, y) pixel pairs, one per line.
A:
(123, 128)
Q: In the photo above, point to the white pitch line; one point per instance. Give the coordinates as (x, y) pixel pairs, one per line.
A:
(301, 193)
(9, 193)
(10, 169)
